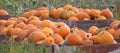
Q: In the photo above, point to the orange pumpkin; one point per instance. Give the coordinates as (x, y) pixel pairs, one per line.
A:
(52, 13)
(117, 33)
(104, 37)
(49, 41)
(39, 13)
(67, 7)
(82, 15)
(57, 13)
(20, 25)
(93, 29)
(94, 13)
(100, 18)
(16, 31)
(25, 20)
(33, 18)
(29, 13)
(46, 23)
(74, 39)
(3, 12)
(58, 39)
(73, 19)
(36, 36)
(29, 26)
(10, 22)
(48, 31)
(2, 22)
(35, 22)
(13, 18)
(114, 25)
(64, 31)
(87, 11)
(107, 13)
(21, 36)
(74, 9)
(4, 31)
(88, 42)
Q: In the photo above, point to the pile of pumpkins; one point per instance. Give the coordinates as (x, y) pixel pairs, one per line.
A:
(71, 13)
(33, 30)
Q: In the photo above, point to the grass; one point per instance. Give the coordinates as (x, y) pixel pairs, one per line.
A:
(17, 7)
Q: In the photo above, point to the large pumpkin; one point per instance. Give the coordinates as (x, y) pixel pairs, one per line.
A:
(66, 14)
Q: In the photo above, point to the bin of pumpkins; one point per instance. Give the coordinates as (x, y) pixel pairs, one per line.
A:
(73, 16)
(30, 28)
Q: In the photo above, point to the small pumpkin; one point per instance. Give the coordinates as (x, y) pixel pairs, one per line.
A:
(74, 39)
(2, 22)
(93, 29)
(107, 13)
(94, 13)
(48, 31)
(66, 14)
(46, 23)
(3, 12)
(82, 15)
(35, 22)
(49, 41)
(57, 13)
(67, 7)
(100, 17)
(58, 39)
(36, 36)
(87, 42)
(104, 37)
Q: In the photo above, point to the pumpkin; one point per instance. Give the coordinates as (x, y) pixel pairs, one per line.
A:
(49, 40)
(66, 14)
(58, 12)
(13, 18)
(29, 13)
(21, 36)
(48, 31)
(10, 22)
(67, 7)
(117, 33)
(25, 20)
(112, 31)
(29, 26)
(41, 12)
(36, 36)
(100, 18)
(104, 37)
(107, 13)
(3, 12)
(16, 31)
(93, 29)
(4, 31)
(58, 39)
(73, 19)
(20, 25)
(114, 25)
(74, 39)
(52, 13)
(74, 9)
(64, 31)
(33, 18)
(82, 15)
(87, 42)
(35, 22)
(87, 11)
(93, 13)
(80, 32)
(2, 22)
(46, 23)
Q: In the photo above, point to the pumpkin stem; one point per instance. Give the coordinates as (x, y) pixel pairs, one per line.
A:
(107, 28)
(71, 31)
(58, 26)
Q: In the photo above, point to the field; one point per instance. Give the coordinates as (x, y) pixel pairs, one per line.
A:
(18, 7)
